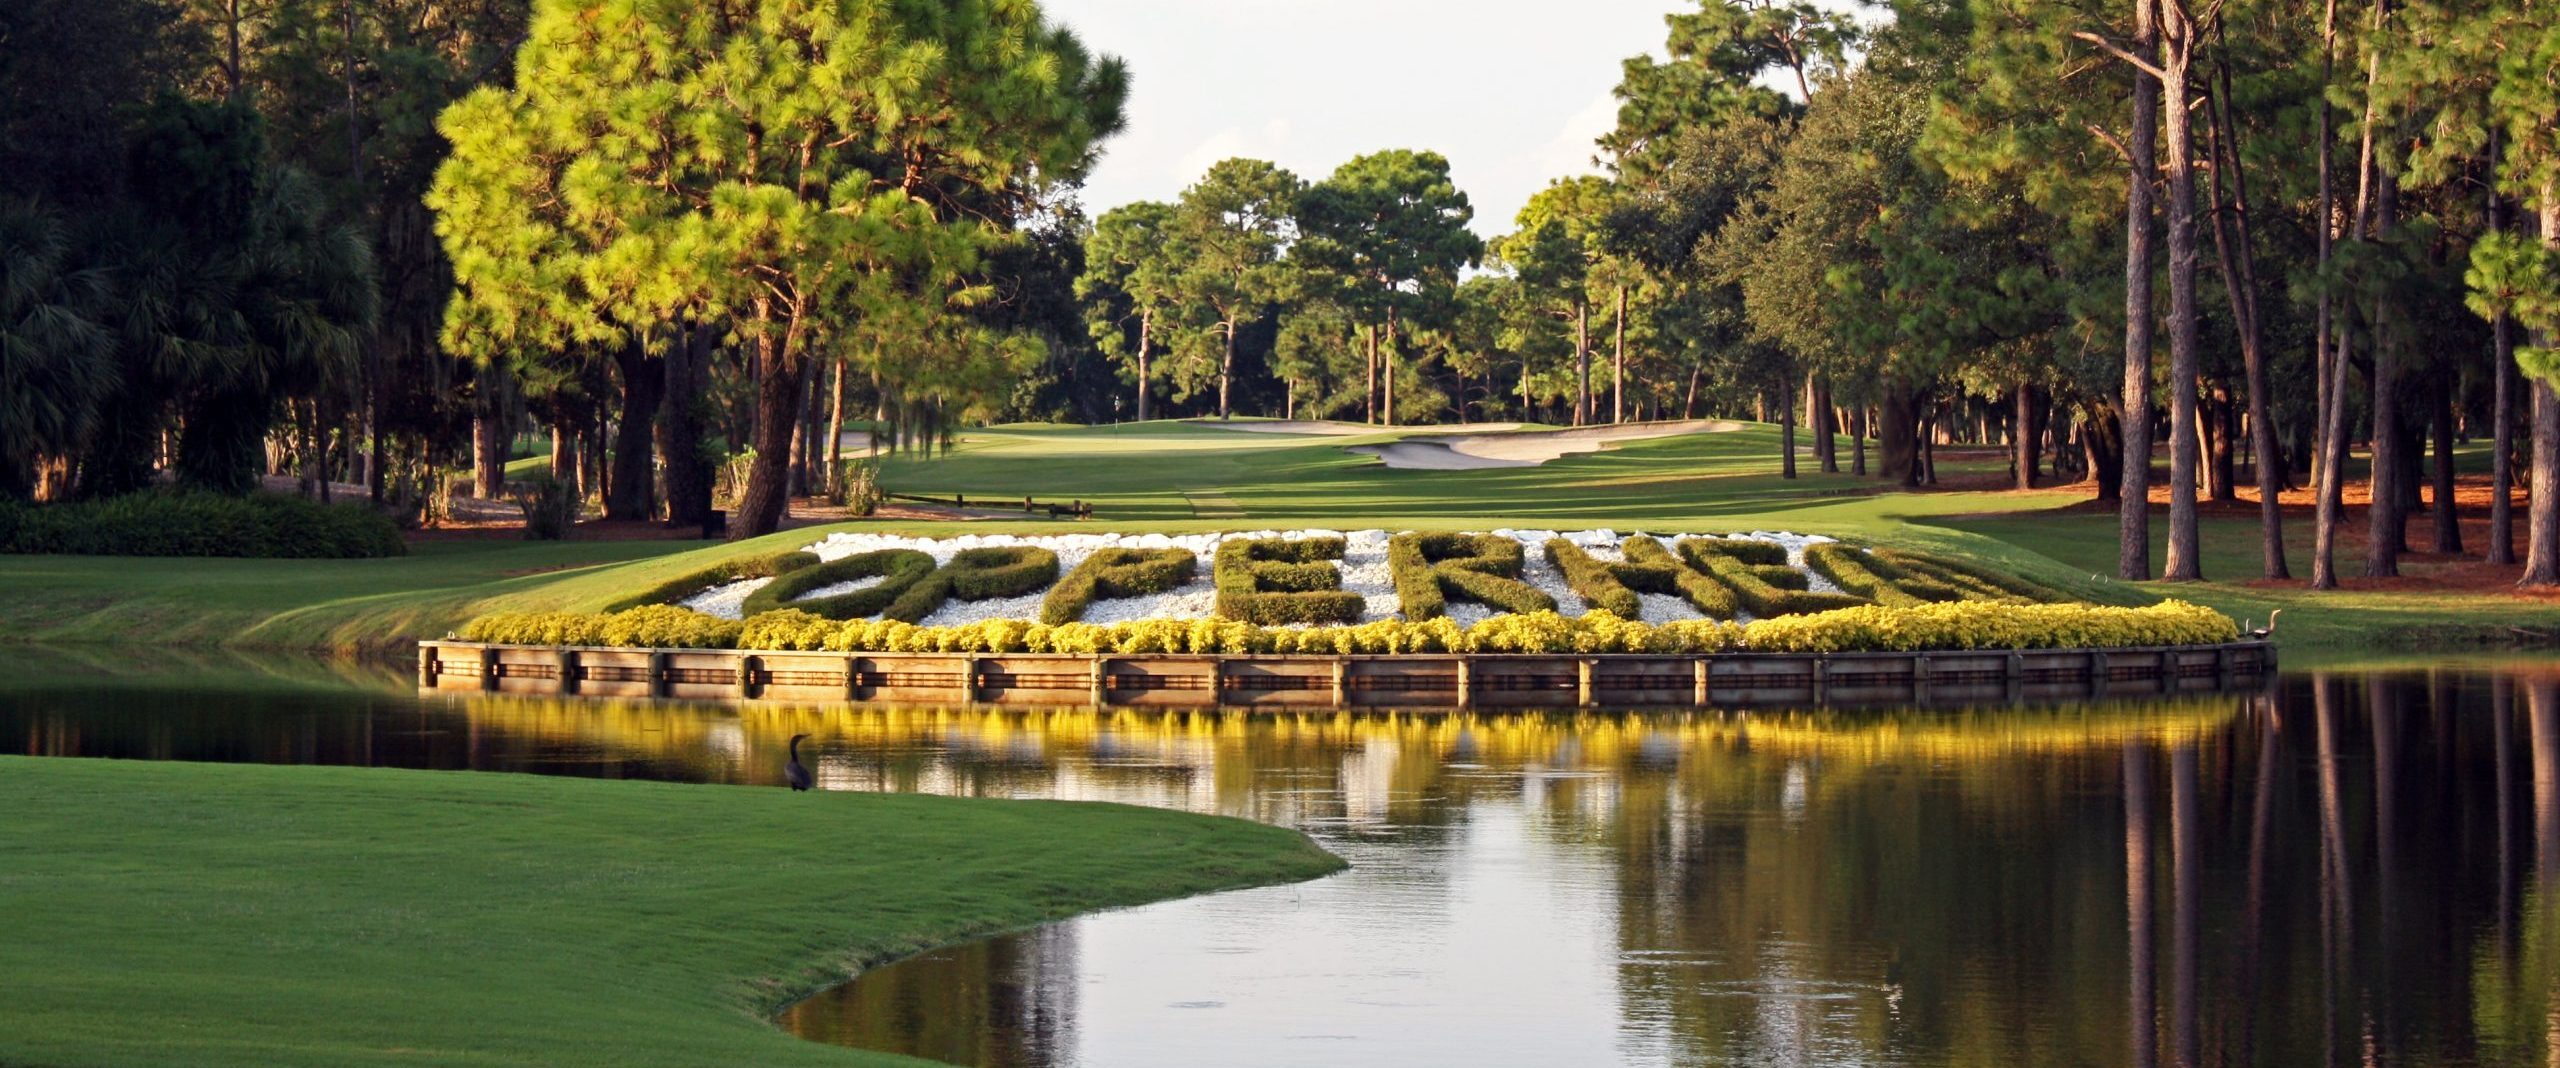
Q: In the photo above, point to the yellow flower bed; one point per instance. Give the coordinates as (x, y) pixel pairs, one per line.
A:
(1870, 628)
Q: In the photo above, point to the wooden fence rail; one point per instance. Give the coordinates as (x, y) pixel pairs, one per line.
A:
(1407, 681)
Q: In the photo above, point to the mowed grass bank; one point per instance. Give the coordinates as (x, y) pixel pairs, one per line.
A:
(1179, 477)
(156, 913)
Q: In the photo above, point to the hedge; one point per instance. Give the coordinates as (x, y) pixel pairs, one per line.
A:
(1869, 628)
(900, 571)
(187, 523)
(693, 584)
(1718, 557)
(1430, 568)
(1846, 567)
(1599, 585)
(977, 575)
(1959, 572)
(1712, 598)
(1114, 573)
(1276, 581)
(1748, 550)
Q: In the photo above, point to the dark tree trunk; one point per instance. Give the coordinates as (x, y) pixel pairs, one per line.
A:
(2222, 419)
(680, 430)
(632, 492)
(780, 378)
(2447, 516)
(2133, 516)
(2238, 249)
(1898, 435)
(1824, 428)
(489, 436)
(2388, 522)
(2023, 440)
(2502, 407)
(1858, 441)
(2102, 438)
(1787, 434)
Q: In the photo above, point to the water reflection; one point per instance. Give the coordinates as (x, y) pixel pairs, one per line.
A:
(2346, 870)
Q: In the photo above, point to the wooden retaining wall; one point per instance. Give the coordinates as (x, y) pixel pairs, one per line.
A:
(1409, 681)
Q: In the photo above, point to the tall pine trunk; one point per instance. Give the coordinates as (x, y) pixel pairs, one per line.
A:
(2502, 407)
(2387, 518)
(1582, 412)
(1826, 425)
(2133, 515)
(1618, 363)
(1227, 372)
(2542, 546)
(1787, 433)
(1146, 337)
(2177, 52)
(2329, 336)
(2238, 249)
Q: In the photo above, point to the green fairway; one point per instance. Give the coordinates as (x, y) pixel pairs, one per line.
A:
(206, 914)
(1178, 477)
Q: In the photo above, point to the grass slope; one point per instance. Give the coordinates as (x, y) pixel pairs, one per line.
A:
(204, 914)
(1182, 476)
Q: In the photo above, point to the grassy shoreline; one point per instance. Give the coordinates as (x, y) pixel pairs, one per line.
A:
(214, 914)
(1149, 477)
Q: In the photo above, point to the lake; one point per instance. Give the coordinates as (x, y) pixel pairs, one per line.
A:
(2342, 869)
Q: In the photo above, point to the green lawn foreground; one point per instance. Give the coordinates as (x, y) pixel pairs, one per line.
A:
(163, 913)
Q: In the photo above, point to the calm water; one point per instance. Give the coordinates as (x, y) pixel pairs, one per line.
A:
(2345, 870)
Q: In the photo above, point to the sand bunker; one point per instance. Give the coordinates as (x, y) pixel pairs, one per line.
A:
(1470, 452)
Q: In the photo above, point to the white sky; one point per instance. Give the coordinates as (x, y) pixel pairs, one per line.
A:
(1512, 91)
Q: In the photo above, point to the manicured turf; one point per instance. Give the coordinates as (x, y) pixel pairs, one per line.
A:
(157, 913)
(1178, 476)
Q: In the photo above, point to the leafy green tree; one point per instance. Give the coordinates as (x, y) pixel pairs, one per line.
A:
(1717, 56)
(1128, 276)
(1225, 238)
(834, 159)
(1386, 234)
(2485, 69)
(1557, 252)
(51, 330)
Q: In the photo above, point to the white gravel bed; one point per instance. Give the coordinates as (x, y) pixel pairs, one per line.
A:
(725, 601)
(1364, 572)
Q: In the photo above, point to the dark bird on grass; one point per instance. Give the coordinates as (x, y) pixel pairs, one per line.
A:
(2267, 631)
(796, 772)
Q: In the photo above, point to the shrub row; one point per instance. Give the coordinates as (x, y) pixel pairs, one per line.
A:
(1277, 581)
(1949, 626)
(1752, 551)
(1717, 557)
(1846, 567)
(1431, 568)
(1711, 598)
(179, 523)
(693, 584)
(900, 571)
(1601, 586)
(1990, 582)
(1113, 573)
